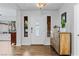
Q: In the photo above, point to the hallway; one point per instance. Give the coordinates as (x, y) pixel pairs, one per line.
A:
(7, 50)
(28, 25)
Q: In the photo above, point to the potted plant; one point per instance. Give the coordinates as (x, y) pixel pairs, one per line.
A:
(63, 23)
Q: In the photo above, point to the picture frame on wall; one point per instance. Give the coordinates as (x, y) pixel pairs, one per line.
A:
(64, 17)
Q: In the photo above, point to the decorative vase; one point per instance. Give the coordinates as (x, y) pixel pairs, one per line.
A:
(63, 30)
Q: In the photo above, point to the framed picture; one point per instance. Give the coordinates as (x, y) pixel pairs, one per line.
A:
(63, 20)
(63, 16)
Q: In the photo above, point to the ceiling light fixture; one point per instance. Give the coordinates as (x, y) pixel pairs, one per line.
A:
(41, 4)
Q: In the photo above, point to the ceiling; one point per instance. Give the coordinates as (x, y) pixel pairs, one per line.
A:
(32, 6)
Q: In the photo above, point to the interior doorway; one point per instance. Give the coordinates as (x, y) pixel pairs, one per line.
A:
(35, 29)
(7, 28)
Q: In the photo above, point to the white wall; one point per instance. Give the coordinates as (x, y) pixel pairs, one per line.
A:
(76, 30)
(18, 28)
(7, 13)
(69, 9)
(54, 20)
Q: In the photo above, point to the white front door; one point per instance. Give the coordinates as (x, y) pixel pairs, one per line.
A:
(38, 29)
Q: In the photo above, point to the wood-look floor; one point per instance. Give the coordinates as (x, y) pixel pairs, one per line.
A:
(7, 50)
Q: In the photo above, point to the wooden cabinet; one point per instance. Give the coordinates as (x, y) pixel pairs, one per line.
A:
(13, 38)
(61, 43)
(65, 43)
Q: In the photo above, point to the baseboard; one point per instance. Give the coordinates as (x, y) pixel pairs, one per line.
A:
(5, 40)
(37, 44)
(17, 45)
